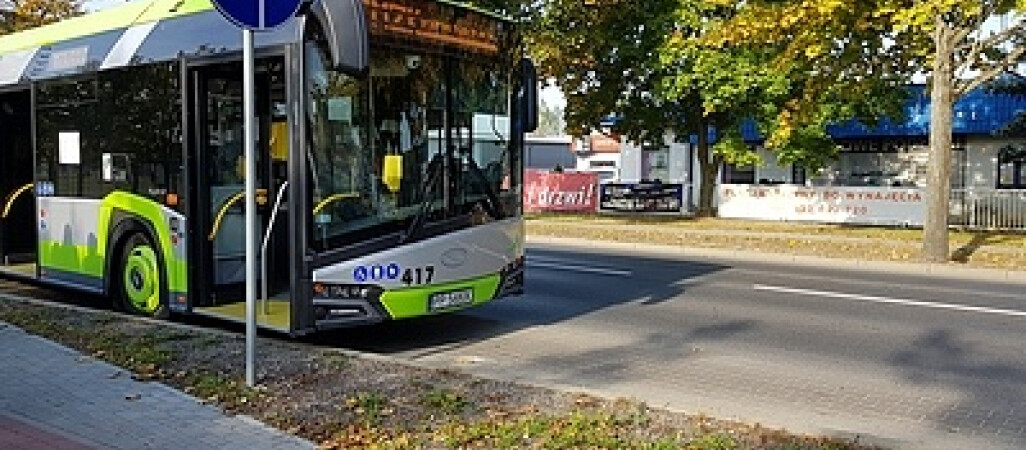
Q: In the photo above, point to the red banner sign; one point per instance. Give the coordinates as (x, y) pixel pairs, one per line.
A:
(551, 191)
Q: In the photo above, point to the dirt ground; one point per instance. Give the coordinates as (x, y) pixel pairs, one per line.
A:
(340, 399)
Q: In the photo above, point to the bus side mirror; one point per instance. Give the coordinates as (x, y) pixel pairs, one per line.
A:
(528, 95)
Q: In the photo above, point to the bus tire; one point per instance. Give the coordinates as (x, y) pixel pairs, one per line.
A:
(139, 278)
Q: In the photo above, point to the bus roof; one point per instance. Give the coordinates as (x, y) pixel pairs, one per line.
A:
(148, 31)
(124, 16)
(129, 14)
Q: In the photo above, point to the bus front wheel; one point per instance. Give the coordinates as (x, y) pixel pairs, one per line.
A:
(140, 284)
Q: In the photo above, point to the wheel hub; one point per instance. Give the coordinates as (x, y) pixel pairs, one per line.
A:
(141, 279)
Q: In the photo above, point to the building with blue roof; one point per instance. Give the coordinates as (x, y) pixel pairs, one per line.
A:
(877, 178)
(895, 153)
(889, 154)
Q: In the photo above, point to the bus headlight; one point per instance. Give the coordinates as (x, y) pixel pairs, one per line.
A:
(327, 291)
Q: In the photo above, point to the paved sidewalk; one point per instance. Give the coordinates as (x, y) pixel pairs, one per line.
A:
(52, 397)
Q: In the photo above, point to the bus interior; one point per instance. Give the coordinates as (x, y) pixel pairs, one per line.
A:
(217, 204)
(18, 238)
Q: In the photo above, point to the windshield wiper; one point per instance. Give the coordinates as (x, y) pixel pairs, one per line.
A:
(417, 224)
(493, 207)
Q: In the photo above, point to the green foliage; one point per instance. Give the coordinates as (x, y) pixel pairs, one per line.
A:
(684, 66)
(604, 56)
(713, 442)
(369, 406)
(221, 389)
(446, 401)
(17, 15)
(850, 59)
(576, 430)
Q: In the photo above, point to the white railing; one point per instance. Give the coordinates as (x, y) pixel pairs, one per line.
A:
(990, 209)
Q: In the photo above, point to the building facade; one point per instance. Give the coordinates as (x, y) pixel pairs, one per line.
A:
(878, 177)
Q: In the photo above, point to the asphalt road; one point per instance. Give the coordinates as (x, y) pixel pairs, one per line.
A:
(903, 360)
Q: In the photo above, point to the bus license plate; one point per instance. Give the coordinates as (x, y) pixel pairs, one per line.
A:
(452, 299)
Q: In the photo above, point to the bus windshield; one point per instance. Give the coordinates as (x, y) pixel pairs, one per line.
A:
(423, 137)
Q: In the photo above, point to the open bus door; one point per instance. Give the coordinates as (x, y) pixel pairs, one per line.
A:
(18, 232)
(217, 207)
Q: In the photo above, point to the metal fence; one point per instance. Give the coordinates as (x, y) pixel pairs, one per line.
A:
(989, 209)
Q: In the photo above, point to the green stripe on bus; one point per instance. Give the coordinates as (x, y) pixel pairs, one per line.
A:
(78, 259)
(120, 17)
(153, 213)
(413, 302)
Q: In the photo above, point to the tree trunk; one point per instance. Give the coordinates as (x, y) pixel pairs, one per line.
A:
(708, 164)
(938, 181)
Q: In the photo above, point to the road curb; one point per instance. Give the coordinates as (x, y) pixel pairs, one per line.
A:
(949, 271)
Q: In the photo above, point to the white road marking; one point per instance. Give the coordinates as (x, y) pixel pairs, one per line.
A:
(885, 284)
(576, 268)
(892, 301)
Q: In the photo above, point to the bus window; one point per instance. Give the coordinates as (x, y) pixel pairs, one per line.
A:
(482, 130)
(357, 126)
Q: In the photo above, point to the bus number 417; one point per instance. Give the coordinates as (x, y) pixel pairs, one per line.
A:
(419, 275)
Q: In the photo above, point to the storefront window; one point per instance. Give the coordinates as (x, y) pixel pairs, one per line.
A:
(734, 174)
(656, 163)
(888, 163)
(1012, 168)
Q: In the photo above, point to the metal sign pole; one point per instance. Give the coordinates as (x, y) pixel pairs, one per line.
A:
(249, 112)
(268, 15)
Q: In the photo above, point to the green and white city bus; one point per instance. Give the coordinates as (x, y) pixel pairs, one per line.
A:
(389, 167)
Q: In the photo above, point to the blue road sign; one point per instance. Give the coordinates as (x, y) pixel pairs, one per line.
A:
(258, 14)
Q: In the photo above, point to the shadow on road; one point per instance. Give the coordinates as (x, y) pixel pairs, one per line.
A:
(992, 391)
(613, 364)
(552, 295)
(964, 253)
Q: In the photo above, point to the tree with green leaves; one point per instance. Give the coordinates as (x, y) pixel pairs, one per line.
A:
(663, 69)
(860, 47)
(715, 88)
(610, 58)
(17, 15)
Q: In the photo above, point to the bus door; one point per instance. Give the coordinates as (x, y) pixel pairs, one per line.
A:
(18, 231)
(218, 166)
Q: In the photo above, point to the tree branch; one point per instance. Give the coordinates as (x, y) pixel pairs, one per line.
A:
(990, 41)
(974, 55)
(962, 35)
(963, 87)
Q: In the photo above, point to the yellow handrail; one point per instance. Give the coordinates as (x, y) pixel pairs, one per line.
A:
(333, 198)
(224, 210)
(13, 197)
(260, 193)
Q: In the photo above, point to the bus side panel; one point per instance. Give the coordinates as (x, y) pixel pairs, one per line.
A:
(70, 250)
(74, 240)
(169, 230)
(483, 260)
